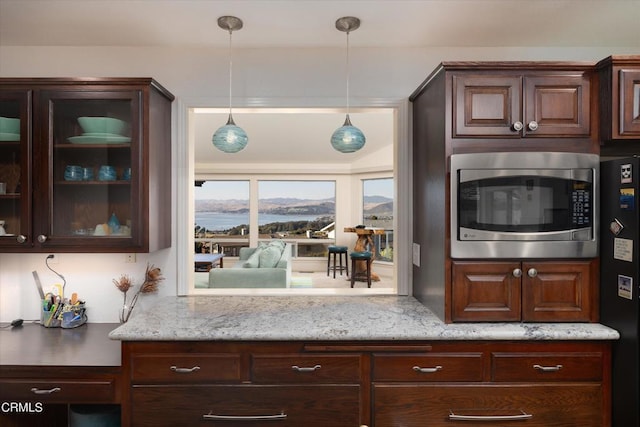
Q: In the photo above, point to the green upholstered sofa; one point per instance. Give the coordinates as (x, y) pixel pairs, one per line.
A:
(256, 268)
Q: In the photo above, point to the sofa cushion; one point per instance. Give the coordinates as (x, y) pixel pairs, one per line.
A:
(269, 257)
(275, 243)
(254, 260)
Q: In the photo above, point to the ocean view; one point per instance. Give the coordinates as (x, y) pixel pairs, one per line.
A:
(224, 221)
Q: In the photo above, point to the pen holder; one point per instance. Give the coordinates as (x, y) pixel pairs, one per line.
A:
(49, 316)
(76, 316)
(61, 315)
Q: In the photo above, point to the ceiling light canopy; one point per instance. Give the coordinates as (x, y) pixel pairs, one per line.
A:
(348, 138)
(230, 138)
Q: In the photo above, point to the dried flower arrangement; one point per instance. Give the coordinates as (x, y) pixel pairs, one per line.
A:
(152, 278)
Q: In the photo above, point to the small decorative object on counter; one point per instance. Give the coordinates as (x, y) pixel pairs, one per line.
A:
(59, 312)
(152, 278)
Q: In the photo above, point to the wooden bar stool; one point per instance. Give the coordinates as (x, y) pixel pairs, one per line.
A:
(339, 251)
(361, 256)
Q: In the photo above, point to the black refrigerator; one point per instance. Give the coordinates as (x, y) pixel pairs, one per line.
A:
(620, 280)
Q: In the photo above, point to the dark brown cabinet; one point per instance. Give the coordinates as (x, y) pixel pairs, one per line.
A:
(48, 376)
(559, 291)
(381, 384)
(620, 104)
(492, 107)
(546, 385)
(76, 189)
(190, 384)
(511, 105)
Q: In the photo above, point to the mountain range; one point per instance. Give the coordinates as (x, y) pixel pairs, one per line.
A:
(292, 206)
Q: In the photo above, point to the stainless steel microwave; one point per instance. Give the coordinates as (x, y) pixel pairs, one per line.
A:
(524, 205)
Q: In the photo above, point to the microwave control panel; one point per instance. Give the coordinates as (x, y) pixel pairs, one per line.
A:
(581, 201)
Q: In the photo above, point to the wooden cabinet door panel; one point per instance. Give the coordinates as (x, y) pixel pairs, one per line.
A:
(284, 406)
(485, 291)
(532, 405)
(430, 367)
(185, 368)
(65, 390)
(630, 102)
(557, 291)
(559, 105)
(486, 106)
(305, 368)
(545, 367)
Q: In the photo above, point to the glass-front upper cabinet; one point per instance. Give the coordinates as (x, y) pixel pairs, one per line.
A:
(15, 164)
(101, 174)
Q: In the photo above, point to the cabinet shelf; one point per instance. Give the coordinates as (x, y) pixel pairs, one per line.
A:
(83, 183)
(91, 146)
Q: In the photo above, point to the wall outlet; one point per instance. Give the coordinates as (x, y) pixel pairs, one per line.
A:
(130, 258)
(53, 259)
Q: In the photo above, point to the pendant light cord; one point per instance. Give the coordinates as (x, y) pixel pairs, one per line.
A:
(348, 73)
(230, 72)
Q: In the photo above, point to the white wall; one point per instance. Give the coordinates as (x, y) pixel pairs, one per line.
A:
(199, 73)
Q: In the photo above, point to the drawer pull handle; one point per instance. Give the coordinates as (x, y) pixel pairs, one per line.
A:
(303, 369)
(210, 416)
(521, 416)
(548, 368)
(51, 390)
(184, 370)
(427, 370)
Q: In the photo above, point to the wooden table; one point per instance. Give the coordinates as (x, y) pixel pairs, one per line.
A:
(205, 262)
(365, 243)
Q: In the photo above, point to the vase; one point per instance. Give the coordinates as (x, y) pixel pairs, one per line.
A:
(124, 314)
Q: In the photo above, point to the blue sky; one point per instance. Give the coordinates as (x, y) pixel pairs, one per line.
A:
(225, 190)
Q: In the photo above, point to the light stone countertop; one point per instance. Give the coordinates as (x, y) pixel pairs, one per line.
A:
(326, 318)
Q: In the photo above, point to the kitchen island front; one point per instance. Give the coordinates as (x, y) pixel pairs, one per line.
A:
(351, 361)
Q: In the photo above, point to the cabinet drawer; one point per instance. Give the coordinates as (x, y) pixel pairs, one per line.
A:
(428, 367)
(548, 405)
(185, 368)
(260, 405)
(306, 368)
(546, 366)
(59, 391)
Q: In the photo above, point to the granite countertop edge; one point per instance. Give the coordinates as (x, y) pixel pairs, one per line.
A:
(326, 318)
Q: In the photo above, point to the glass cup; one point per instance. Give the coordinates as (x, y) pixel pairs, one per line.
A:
(3, 188)
(87, 174)
(73, 173)
(107, 173)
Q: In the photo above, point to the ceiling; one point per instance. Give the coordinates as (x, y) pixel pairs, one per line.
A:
(297, 139)
(310, 23)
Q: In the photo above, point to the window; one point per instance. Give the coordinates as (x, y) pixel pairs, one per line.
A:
(377, 211)
(303, 212)
(221, 216)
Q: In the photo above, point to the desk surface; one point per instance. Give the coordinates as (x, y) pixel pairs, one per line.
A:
(34, 345)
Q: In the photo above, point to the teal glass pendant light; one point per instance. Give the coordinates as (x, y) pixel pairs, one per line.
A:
(347, 138)
(230, 138)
